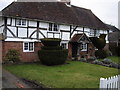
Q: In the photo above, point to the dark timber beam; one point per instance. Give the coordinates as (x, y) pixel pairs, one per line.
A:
(5, 27)
(70, 30)
(83, 29)
(73, 31)
(94, 32)
(37, 29)
(11, 32)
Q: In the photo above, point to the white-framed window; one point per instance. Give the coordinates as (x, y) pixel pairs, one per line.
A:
(21, 22)
(91, 32)
(28, 46)
(64, 45)
(53, 27)
(83, 47)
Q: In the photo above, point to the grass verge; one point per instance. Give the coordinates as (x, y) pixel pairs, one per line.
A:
(73, 75)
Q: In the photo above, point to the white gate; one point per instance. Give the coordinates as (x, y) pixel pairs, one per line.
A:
(111, 82)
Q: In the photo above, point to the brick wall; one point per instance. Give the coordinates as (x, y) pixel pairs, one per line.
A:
(24, 56)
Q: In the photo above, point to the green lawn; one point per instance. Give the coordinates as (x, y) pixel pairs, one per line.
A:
(73, 75)
(113, 58)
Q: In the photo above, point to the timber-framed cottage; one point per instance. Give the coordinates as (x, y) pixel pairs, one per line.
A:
(23, 24)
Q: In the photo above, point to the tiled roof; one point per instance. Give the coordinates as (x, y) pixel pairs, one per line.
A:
(113, 28)
(57, 12)
(114, 36)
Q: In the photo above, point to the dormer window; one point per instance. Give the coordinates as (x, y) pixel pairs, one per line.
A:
(53, 27)
(21, 22)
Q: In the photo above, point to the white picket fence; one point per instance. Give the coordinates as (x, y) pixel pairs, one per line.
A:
(110, 83)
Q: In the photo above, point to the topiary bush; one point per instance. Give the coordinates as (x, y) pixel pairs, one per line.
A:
(101, 54)
(12, 55)
(52, 53)
(99, 43)
(52, 57)
(51, 41)
(52, 48)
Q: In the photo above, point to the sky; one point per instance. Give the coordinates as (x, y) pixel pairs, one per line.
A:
(106, 10)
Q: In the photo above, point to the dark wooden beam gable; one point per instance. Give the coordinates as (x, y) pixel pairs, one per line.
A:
(71, 32)
(5, 27)
(11, 32)
(37, 29)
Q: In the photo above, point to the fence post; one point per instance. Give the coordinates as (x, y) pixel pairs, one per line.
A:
(118, 82)
(103, 83)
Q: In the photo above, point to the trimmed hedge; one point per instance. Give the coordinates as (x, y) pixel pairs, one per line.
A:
(51, 41)
(99, 42)
(52, 48)
(101, 54)
(52, 53)
(52, 57)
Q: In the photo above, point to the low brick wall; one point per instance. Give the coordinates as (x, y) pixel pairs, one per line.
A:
(24, 56)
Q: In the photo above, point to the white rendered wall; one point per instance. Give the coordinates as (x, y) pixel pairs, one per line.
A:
(64, 27)
(22, 32)
(33, 23)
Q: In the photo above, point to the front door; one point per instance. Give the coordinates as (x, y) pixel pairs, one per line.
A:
(74, 49)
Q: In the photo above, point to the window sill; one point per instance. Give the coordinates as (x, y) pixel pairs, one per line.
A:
(28, 51)
(84, 50)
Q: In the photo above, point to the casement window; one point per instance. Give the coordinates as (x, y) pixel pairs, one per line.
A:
(83, 47)
(53, 27)
(64, 45)
(21, 22)
(91, 32)
(28, 47)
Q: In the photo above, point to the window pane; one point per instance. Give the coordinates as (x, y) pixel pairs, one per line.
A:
(31, 46)
(55, 27)
(25, 46)
(50, 26)
(18, 22)
(91, 32)
(63, 45)
(23, 22)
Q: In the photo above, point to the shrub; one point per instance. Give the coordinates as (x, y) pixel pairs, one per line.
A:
(52, 48)
(51, 41)
(12, 55)
(107, 61)
(99, 42)
(109, 53)
(101, 54)
(114, 49)
(52, 57)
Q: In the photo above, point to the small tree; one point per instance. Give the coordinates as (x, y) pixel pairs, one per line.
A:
(99, 43)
